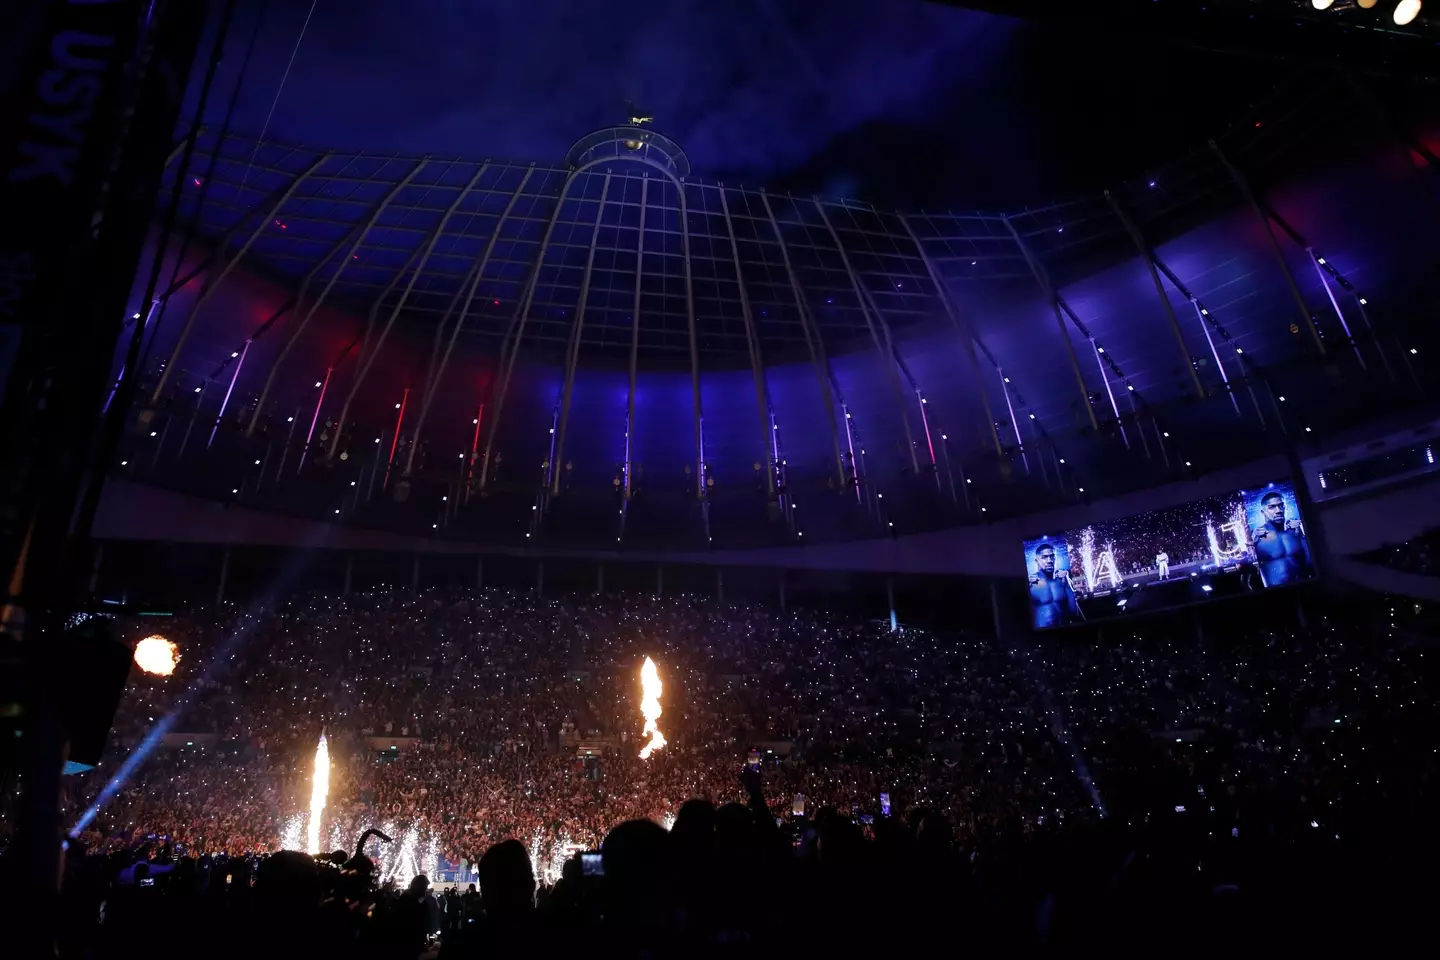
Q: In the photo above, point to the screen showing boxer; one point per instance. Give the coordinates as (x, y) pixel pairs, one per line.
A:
(1216, 547)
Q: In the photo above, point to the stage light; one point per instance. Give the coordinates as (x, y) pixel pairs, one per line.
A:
(1099, 349)
(289, 419)
(1406, 11)
(1062, 459)
(1081, 489)
(234, 354)
(1363, 301)
(1206, 587)
(1007, 379)
(1322, 4)
(1366, 4)
(1413, 351)
(1282, 399)
(317, 384)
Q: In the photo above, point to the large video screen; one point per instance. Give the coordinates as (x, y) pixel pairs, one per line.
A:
(1220, 546)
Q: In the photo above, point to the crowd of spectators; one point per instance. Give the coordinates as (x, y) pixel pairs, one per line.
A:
(459, 720)
(1416, 555)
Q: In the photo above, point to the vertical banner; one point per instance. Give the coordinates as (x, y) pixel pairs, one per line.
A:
(88, 114)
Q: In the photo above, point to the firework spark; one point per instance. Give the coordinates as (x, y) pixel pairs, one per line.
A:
(319, 790)
(650, 708)
(294, 833)
(156, 655)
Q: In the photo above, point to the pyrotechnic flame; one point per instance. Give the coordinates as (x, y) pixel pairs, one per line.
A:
(650, 708)
(319, 789)
(156, 655)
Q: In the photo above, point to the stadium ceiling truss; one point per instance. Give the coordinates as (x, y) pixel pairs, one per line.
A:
(620, 258)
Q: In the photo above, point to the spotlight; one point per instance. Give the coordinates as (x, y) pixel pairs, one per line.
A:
(1367, 4)
(1322, 4)
(1405, 11)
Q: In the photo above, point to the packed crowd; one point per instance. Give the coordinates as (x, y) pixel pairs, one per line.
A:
(458, 721)
(1416, 555)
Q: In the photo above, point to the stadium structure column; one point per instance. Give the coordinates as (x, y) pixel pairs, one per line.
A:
(1042, 279)
(477, 274)
(757, 364)
(1248, 191)
(1145, 254)
(522, 317)
(371, 351)
(213, 278)
(635, 334)
(813, 341)
(345, 261)
(577, 332)
(879, 333)
(694, 344)
(961, 323)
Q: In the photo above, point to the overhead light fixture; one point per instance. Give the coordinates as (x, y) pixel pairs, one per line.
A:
(1406, 11)
(1322, 4)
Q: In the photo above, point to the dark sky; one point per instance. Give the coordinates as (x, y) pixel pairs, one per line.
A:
(899, 102)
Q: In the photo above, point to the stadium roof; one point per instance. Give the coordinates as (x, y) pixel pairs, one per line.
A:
(1030, 352)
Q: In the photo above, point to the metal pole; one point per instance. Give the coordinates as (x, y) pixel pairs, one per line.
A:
(479, 273)
(373, 351)
(884, 347)
(395, 440)
(1015, 424)
(224, 576)
(752, 341)
(190, 426)
(309, 434)
(813, 341)
(244, 352)
(522, 316)
(212, 281)
(1215, 352)
(694, 343)
(1319, 263)
(1244, 185)
(961, 324)
(635, 333)
(1043, 279)
(345, 261)
(577, 331)
(1105, 379)
(1145, 255)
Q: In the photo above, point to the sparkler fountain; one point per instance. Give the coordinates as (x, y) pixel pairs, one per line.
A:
(319, 789)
